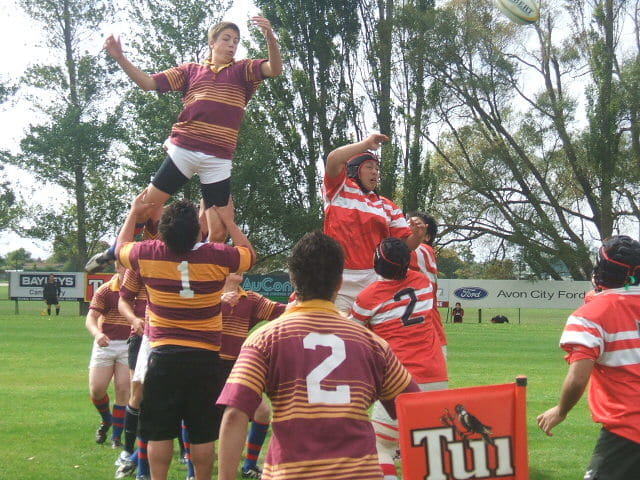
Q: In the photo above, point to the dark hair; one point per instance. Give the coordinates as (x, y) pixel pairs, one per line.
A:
(391, 259)
(430, 222)
(179, 226)
(315, 266)
(617, 262)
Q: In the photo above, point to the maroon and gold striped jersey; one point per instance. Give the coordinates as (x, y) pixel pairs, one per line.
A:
(214, 104)
(239, 319)
(321, 372)
(105, 302)
(184, 289)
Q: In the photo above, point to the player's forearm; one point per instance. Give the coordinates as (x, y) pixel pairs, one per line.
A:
(239, 238)
(91, 322)
(574, 385)
(273, 66)
(140, 78)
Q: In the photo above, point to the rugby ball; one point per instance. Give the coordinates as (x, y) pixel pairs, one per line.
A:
(522, 12)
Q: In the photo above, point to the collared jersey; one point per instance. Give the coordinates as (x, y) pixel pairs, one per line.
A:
(214, 104)
(358, 220)
(239, 319)
(134, 291)
(184, 289)
(321, 372)
(607, 331)
(105, 302)
(423, 260)
(401, 312)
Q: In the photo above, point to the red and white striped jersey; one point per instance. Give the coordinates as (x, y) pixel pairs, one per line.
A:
(358, 220)
(607, 331)
(401, 312)
(423, 260)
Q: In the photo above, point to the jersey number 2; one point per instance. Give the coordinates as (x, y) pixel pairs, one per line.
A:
(407, 319)
(342, 393)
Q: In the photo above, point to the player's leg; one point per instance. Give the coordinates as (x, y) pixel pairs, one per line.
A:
(57, 304)
(169, 178)
(215, 178)
(122, 386)
(160, 453)
(386, 440)
(99, 378)
(186, 455)
(202, 456)
(216, 194)
(255, 440)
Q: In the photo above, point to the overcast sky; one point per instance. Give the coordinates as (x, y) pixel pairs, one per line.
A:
(19, 39)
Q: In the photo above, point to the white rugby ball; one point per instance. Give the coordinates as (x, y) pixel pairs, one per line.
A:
(522, 12)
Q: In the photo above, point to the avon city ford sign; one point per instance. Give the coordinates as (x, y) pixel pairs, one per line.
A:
(470, 293)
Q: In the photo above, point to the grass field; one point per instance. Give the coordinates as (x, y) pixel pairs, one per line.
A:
(47, 422)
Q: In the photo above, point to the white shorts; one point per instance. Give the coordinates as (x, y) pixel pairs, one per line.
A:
(116, 352)
(387, 427)
(210, 169)
(353, 282)
(142, 361)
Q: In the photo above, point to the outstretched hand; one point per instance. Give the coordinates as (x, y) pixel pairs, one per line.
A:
(113, 47)
(263, 24)
(375, 140)
(139, 206)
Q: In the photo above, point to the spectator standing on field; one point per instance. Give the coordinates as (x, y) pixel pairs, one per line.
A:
(602, 342)
(457, 313)
(321, 372)
(357, 216)
(50, 293)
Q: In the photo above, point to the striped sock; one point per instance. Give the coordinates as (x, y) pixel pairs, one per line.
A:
(187, 451)
(117, 417)
(102, 406)
(257, 434)
(130, 428)
(137, 230)
(143, 460)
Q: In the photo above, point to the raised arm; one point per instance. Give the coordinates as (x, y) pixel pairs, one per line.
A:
(273, 66)
(114, 48)
(338, 158)
(227, 217)
(138, 207)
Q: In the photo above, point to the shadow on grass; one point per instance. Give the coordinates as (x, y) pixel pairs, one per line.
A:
(536, 474)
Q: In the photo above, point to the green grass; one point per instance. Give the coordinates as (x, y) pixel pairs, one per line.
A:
(47, 421)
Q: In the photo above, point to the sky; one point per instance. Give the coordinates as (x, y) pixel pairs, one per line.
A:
(20, 38)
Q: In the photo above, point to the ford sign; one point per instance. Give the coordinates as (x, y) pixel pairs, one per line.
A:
(471, 293)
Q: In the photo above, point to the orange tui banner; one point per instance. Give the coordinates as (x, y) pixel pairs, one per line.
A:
(465, 433)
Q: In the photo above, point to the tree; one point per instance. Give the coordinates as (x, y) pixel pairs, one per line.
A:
(71, 147)
(518, 165)
(16, 259)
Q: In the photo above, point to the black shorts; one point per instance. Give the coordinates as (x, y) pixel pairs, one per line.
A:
(134, 347)
(51, 300)
(182, 385)
(614, 458)
(170, 179)
(225, 369)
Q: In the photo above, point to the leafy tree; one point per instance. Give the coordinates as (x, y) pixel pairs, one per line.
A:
(71, 147)
(16, 259)
(518, 166)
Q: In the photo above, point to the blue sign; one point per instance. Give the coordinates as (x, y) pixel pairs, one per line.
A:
(470, 293)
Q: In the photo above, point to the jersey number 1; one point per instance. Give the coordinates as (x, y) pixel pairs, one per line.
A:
(183, 268)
